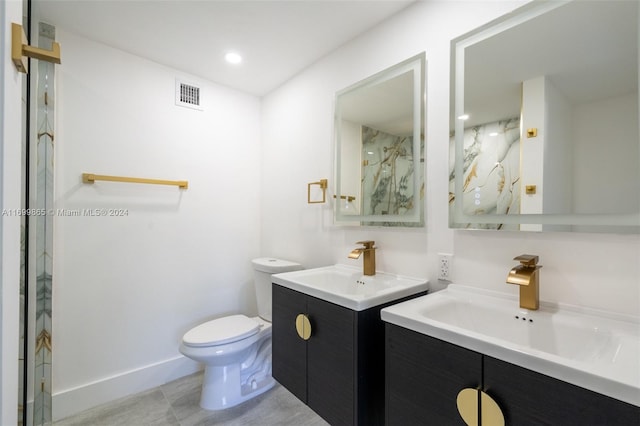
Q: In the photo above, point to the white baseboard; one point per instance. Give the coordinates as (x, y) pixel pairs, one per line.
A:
(72, 401)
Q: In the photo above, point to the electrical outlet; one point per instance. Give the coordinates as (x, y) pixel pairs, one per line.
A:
(444, 266)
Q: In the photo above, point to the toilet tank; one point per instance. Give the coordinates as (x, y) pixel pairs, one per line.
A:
(263, 268)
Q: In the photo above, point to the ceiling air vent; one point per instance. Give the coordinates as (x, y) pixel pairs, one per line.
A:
(188, 95)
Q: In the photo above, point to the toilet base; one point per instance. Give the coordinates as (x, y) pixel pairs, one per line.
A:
(220, 388)
(236, 371)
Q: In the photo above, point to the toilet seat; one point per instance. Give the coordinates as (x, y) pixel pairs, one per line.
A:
(221, 331)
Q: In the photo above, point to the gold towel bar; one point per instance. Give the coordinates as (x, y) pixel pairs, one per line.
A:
(90, 178)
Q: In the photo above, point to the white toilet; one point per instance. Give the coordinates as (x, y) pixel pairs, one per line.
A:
(236, 349)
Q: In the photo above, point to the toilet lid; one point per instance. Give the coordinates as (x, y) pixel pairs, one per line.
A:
(222, 330)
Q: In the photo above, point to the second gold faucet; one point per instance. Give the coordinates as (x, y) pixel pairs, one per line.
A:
(369, 260)
(526, 276)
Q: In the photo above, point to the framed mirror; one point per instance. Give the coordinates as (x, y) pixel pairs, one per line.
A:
(544, 120)
(379, 147)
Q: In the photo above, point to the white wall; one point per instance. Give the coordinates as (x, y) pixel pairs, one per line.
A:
(606, 153)
(595, 270)
(10, 175)
(558, 152)
(127, 288)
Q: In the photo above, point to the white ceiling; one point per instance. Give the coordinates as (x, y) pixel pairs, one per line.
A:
(277, 39)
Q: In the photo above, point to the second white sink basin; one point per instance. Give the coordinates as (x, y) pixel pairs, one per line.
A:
(346, 285)
(565, 335)
(596, 350)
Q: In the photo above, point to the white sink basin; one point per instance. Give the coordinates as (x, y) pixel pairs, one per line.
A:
(346, 285)
(593, 349)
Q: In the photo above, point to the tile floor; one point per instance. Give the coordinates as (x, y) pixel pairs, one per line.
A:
(177, 404)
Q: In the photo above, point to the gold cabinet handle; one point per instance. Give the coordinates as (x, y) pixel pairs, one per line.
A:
(491, 413)
(303, 326)
(467, 402)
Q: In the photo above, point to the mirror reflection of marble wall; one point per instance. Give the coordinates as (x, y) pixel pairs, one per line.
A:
(387, 176)
(491, 168)
(387, 172)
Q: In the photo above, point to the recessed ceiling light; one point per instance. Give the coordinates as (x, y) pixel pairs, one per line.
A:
(463, 117)
(233, 58)
(493, 134)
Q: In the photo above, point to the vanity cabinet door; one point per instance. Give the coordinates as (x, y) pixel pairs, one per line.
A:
(424, 376)
(289, 351)
(320, 370)
(330, 362)
(339, 370)
(530, 398)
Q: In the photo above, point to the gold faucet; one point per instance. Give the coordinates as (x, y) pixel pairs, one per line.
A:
(526, 276)
(369, 261)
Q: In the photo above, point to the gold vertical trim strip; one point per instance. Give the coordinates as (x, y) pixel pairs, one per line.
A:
(18, 39)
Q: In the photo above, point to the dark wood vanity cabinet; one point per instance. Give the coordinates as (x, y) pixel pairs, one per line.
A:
(528, 398)
(424, 376)
(339, 371)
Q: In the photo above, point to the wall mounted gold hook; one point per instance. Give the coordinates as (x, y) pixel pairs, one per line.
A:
(20, 50)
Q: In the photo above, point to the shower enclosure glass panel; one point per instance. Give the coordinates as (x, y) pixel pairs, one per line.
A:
(42, 407)
(39, 162)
